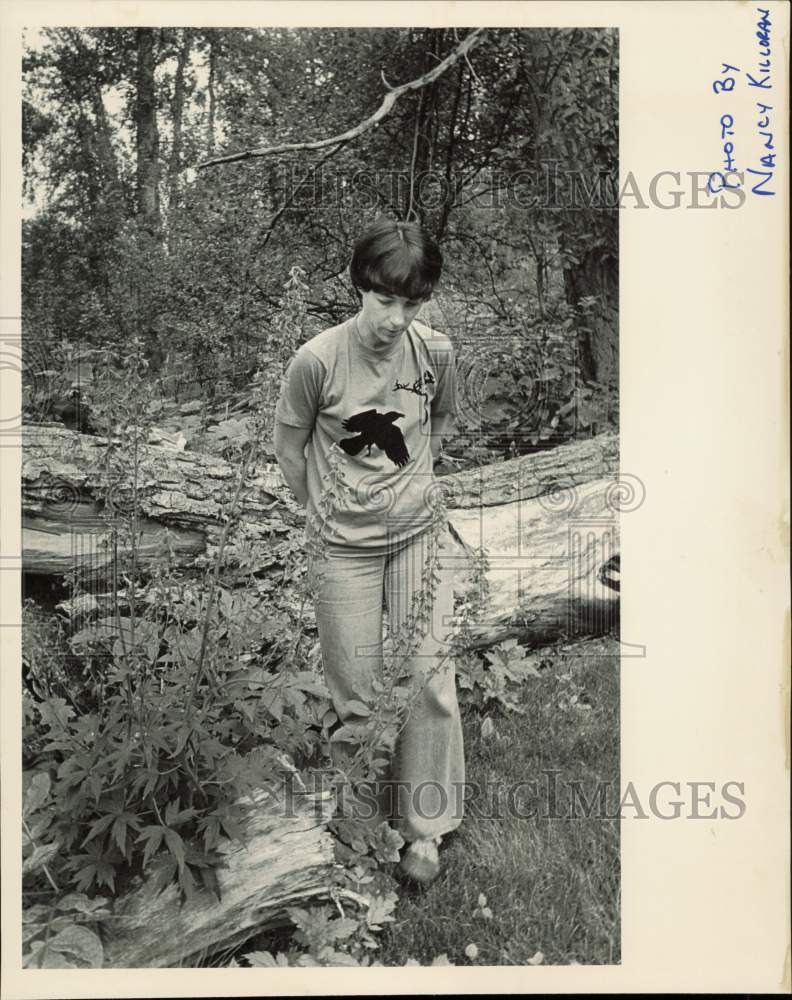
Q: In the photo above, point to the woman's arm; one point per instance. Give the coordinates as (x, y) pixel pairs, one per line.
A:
(290, 454)
(295, 416)
(444, 402)
(441, 427)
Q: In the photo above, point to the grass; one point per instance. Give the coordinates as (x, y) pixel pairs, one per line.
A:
(551, 882)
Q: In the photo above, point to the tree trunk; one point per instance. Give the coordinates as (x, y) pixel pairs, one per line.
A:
(210, 142)
(147, 135)
(177, 110)
(549, 524)
(108, 207)
(598, 345)
(93, 186)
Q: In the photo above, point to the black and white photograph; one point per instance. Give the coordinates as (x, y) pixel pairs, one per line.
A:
(320, 496)
(395, 506)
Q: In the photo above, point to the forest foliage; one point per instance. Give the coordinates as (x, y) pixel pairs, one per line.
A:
(508, 158)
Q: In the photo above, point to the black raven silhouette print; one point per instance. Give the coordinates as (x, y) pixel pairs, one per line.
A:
(379, 429)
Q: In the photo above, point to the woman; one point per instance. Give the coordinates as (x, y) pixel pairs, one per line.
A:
(382, 386)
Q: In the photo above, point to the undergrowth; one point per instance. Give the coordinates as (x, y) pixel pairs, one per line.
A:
(153, 715)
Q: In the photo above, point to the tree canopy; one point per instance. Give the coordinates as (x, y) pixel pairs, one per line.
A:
(507, 157)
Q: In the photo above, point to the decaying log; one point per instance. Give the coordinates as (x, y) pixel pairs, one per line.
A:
(286, 861)
(549, 522)
(62, 538)
(545, 564)
(182, 500)
(530, 476)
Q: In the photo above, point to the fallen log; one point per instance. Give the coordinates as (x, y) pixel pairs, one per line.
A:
(548, 521)
(61, 538)
(556, 470)
(181, 496)
(546, 559)
(286, 860)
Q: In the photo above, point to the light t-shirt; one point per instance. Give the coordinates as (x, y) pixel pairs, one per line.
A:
(378, 408)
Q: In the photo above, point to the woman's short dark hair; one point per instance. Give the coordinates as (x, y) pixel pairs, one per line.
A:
(396, 258)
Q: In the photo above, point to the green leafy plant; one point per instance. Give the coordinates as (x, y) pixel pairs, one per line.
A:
(188, 697)
(332, 936)
(492, 678)
(64, 935)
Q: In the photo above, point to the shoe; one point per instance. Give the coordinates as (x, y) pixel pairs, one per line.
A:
(421, 861)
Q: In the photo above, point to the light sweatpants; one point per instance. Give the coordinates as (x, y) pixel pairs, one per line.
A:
(422, 793)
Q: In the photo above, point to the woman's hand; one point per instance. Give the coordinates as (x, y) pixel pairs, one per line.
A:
(290, 454)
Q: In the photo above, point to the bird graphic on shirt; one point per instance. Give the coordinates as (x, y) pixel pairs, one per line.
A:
(376, 428)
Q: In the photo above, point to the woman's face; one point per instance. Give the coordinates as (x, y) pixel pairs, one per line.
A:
(386, 317)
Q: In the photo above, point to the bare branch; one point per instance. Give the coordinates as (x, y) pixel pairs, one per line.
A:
(473, 73)
(385, 107)
(311, 172)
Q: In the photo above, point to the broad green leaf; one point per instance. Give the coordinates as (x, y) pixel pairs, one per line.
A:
(342, 928)
(99, 827)
(119, 833)
(105, 874)
(37, 792)
(72, 947)
(231, 828)
(40, 856)
(56, 713)
(95, 633)
(311, 684)
(274, 705)
(264, 960)
(79, 946)
(34, 914)
(175, 845)
(187, 881)
(358, 708)
(380, 910)
(81, 903)
(350, 733)
(387, 843)
(44, 958)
